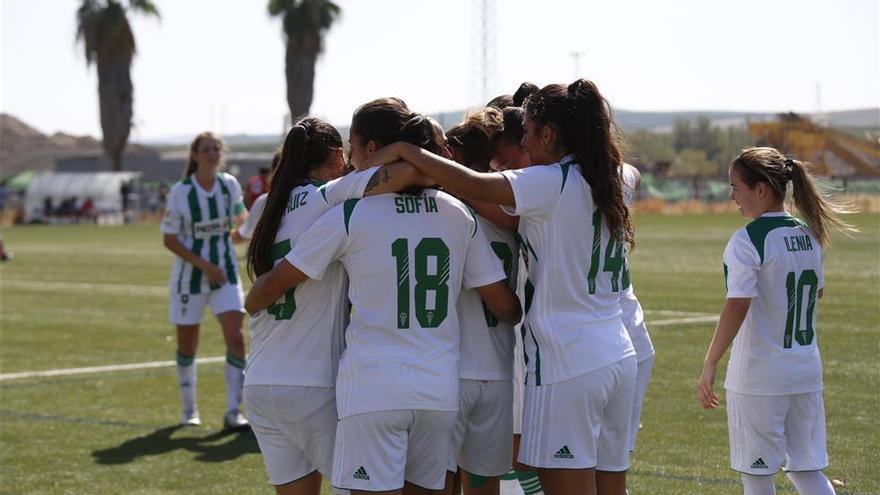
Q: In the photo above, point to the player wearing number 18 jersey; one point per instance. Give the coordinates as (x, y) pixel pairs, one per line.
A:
(297, 341)
(408, 257)
(774, 278)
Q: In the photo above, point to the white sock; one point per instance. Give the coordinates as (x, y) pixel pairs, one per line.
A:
(811, 483)
(758, 485)
(186, 378)
(234, 381)
(509, 485)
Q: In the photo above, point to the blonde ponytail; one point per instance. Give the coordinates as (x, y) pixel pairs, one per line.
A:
(768, 165)
(818, 210)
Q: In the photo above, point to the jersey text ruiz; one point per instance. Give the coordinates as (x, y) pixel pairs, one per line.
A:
(298, 199)
(415, 204)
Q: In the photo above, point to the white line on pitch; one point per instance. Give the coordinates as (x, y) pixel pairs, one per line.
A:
(104, 369)
(681, 321)
(137, 290)
(218, 359)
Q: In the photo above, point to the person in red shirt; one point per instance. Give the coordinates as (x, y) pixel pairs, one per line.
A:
(256, 185)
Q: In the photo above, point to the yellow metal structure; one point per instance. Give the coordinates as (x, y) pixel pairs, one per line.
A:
(831, 152)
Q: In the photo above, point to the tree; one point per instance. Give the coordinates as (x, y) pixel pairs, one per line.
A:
(103, 29)
(305, 22)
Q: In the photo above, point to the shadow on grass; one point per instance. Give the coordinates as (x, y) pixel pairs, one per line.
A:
(218, 446)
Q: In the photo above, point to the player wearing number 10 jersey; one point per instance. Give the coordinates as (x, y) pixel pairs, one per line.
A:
(774, 278)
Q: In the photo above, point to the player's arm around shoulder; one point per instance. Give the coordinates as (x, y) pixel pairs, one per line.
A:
(271, 285)
(502, 301)
(484, 272)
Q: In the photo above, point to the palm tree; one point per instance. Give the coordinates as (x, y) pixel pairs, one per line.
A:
(305, 22)
(103, 28)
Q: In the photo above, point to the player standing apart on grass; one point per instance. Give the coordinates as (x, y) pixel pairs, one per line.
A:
(202, 210)
(774, 277)
(581, 363)
(408, 256)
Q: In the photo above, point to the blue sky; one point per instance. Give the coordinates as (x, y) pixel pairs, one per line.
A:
(218, 64)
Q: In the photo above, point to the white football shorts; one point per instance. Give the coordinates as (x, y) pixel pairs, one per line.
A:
(295, 427)
(483, 441)
(378, 451)
(581, 423)
(643, 377)
(769, 432)
(188, 309)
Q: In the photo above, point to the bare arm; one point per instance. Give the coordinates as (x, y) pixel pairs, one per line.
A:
(238, 220)
(731, 319)
(502, 301)
(236, 237)
(395, 177)
(213, 272)
(269, 286)
(493, 213)
(458, 179)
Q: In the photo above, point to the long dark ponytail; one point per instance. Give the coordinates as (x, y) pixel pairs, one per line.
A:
(583, 119)
(306, 148)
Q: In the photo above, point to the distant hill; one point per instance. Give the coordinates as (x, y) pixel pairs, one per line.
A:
(629, 120)
(23, 147)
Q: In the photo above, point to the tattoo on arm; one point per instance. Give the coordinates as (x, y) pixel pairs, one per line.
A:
(381, 175)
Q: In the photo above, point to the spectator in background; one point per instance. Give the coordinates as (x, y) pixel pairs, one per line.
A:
(88, 212)
(257, 185)
(125, 193)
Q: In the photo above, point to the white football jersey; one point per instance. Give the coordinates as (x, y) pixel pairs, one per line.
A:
(574, 322)
(777, 263)
(202, 221)
(299, 339)
(487, 342)
(246, 229)
(633, 315)
(408, 258)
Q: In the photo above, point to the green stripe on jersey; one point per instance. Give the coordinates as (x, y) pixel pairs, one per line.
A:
(213, 248)
(473, 217)
(231, 274)
(280, 249)
(195, 278)
(347, 210)
(761, 226)
(537, 358)
(565, 168)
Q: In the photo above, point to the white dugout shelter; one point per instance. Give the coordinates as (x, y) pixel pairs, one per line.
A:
(103, 187)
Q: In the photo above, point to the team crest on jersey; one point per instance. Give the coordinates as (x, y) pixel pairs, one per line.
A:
(403, 318)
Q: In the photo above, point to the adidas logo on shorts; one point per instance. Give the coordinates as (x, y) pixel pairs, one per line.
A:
(760, 464)
(361, 474)
(563, 453)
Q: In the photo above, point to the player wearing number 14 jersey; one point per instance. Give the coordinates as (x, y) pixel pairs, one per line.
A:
(774, 278)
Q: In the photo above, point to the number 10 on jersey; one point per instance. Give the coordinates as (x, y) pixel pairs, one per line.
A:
(435, 281)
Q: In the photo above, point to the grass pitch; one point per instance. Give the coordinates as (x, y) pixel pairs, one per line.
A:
(82, 296)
